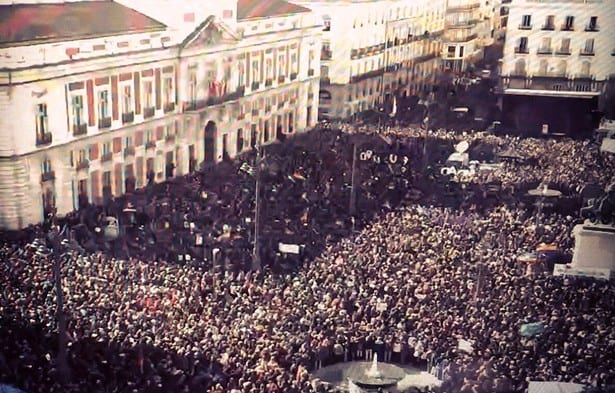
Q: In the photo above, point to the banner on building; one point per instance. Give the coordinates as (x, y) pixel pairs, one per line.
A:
(289, 248)
(568, 270)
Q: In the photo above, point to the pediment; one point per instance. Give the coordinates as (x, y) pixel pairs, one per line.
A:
(211, 32)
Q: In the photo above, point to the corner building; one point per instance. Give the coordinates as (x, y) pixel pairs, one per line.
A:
(105, 96)
(559, 57)
(374, 49)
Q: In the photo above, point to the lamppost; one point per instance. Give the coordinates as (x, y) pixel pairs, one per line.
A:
(256, 255)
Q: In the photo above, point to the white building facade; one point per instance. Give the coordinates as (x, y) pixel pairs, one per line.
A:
(469, 28)
(84, 118)
(372, 49)
(561, 54)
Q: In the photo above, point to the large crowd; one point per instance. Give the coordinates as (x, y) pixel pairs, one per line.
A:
(173, 305)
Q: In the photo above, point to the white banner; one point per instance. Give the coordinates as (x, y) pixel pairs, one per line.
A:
(289, 248)
(608, 145)
(568, 270)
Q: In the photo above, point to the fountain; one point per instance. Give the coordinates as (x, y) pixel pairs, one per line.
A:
(375, 375)
(373, 372)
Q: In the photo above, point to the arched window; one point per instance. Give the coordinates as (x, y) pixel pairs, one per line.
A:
(520, 67)
(543, 67)
(561, 68)
(585, 68)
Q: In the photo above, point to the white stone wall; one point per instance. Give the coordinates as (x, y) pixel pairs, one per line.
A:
(602, 63)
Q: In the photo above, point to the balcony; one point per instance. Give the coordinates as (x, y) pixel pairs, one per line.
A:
(281, 79)
(354, 54)
(80, 129)
(521, 50)
(463, 7)
(104, 122)
(48, 176)
(293, 76)
(544, 51)
(106, 157)
(81, 165)
(325, 80)
(150, 145)
(254, 112)
(310, 72)
(592, 28)
(129, 151)
(563, 51)
(367, 75)
(169, 138)
(232, 96)
(525, 27)
(128, 117)
(587, 52)
(567, 28)
(149, 112)
(325, 54)
(464, 39)
(241, 116)
(44, 139)
(169, 107)
(548, 27)
(267, 108)
(256, 85)
(268, 82)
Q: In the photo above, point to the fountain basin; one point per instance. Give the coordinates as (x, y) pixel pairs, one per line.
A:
(388, 375)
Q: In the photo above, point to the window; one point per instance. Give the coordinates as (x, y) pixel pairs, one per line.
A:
(268, 68)
(326, 23)
(46, 166)
(77, 110)
(128, 141)
(148, 91)
(106, 179)
(241, 74)
(103, 104)
(168, 90)
(549, 23)
(593, 24)
(127, 99)
(106, 148)
(569, 24)
(282, 65)
(461, 51)
(585, 69)
(450, 51)
(545, 46)
(192, 86)
(589, 47)
(543, 67)
(41, 121)
(293, 63)
(565, 46)
(526, 22)
(256, 75)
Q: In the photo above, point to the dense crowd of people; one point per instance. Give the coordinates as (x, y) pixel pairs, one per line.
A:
(172, 305)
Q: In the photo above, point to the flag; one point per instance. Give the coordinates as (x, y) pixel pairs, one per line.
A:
(353, 387)
(247, 168)
(531, 329)
(465, 346)
(394, 110)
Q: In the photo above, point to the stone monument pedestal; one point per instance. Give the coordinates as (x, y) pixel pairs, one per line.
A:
(594, 246)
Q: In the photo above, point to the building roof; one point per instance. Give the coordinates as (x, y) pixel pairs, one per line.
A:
(39, 23)
(252, 9)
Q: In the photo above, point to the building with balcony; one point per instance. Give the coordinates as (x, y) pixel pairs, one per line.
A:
(373, 49)
(558, 58)
(469, 28)
(111, 97)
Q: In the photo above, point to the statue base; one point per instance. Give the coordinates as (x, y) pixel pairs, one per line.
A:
(594, 246)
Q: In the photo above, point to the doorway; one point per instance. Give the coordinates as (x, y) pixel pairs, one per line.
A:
(211, 131)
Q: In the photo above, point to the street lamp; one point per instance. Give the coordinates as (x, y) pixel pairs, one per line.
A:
(256, 255)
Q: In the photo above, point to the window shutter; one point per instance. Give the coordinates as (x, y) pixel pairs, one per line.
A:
(95, 176)
(117, 145)
(159, 133)
(248, 76)
(94, 152)
(138, 138)
(139, 174)
(158, 95)
(137, 80)
(117, 176)
(72, 158)
(91, 111)
(114, 98)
